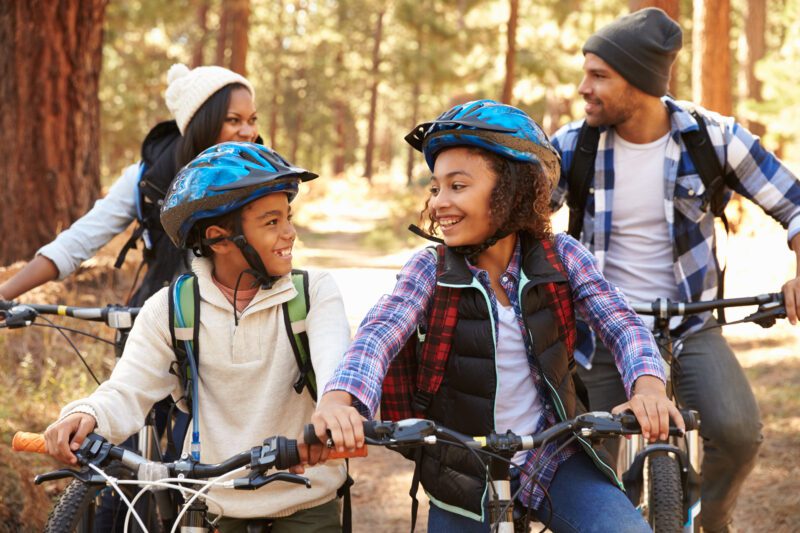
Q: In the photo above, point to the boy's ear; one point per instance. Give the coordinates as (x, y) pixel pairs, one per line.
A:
(222, 246)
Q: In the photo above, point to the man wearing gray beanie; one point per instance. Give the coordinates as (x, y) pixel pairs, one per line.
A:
(642, 197)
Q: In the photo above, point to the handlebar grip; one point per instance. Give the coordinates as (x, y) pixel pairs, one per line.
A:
(310, 437)
(28, 442)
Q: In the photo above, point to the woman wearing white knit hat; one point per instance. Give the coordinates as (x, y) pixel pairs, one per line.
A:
(209, 105)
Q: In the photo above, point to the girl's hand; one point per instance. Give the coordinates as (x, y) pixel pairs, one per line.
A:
(652, 408)
(65, 436)
(335, 414)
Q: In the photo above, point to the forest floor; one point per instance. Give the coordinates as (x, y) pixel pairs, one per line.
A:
(39, 375)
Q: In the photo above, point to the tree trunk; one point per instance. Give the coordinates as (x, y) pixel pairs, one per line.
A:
(673, 9)
(276, 78)
(711, 61)
(511, 52)
(412, 154)
(198, 58)
(223, 33)
(373, 99)
(755, 29)
(50, 120)
(240, 24)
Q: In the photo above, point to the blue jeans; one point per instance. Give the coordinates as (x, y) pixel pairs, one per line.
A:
(583, 500)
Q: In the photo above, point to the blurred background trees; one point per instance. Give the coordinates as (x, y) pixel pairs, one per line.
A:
(339, 82)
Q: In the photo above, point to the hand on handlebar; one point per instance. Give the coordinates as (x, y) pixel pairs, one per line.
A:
(652, 408)
(791, 299)
(335, 415)
(66, 435)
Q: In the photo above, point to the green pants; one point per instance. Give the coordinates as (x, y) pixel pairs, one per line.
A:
(320, 519)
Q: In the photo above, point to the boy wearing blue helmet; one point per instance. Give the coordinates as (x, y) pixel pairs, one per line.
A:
(509, 361)
(231, 206)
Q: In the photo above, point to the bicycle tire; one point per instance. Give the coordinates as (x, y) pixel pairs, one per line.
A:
(75, 510)
(665, 501)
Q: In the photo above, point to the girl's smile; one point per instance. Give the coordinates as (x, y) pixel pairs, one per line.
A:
(461, 189)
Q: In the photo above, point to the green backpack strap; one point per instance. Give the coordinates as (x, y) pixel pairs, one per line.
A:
(184, 329)
(295, 312)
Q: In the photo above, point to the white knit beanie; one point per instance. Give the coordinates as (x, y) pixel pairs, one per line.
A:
(187, 90)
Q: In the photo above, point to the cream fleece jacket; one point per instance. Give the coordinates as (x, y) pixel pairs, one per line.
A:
(246, 377)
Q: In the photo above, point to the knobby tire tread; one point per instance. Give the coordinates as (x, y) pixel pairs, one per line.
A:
(73, 505)
(666, 494)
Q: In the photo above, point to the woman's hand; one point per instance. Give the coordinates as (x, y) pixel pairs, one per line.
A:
(66, 436)
(652, 408)
(335, 414)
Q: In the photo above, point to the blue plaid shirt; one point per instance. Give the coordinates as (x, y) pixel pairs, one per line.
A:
(390, 323)
(753, 172)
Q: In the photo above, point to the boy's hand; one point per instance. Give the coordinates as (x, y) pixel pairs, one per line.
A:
(335, 414)
(652, 408)
(66, 436)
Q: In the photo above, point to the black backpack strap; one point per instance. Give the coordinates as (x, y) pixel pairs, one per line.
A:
(701, 150)
(415, 487)
(580, 177)
(347, 506)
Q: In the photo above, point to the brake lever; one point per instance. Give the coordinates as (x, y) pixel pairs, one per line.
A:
(767, 314)
(85, 476)
(258, 480)
(20, 316)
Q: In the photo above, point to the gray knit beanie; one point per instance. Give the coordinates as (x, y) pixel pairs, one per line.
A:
(641, 46)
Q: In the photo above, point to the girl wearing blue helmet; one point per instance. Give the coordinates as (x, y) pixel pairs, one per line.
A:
(231, 206)
(509, 361)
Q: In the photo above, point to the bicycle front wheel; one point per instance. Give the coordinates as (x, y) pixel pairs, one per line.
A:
(82, 508)
(665, 494)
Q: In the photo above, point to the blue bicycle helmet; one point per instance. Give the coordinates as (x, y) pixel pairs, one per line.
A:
(222, 179)
(499, 128)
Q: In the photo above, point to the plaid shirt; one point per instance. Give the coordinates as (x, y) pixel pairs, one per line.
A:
(751, 170)
(393, 320)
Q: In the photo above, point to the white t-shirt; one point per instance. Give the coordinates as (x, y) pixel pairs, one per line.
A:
(639, 259)
(518, 405)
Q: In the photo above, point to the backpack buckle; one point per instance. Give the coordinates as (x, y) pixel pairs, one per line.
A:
(301, 382)
(421, 401)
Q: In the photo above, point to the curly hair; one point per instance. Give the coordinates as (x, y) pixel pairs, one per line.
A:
(520, 199)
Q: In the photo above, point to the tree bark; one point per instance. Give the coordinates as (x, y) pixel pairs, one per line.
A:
(412, 154)
(673, 9)
(755, 30)
(223, 33)
(198, 58)
(240, 24)
(711, 61)
(511, 52)
(50, 121)
(373, 99)
(276, 78)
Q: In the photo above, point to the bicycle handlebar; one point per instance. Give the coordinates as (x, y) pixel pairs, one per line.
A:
(19, 315)
(416, 432)
(770, 305)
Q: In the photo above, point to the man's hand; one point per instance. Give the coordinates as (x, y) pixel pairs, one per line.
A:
(66, 436)
(335, 414)
(652, 408)
(791, 289)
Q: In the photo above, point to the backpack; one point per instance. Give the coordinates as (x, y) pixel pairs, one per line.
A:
(184, 327)
(416, 373)
(701, 151)
(156, 170)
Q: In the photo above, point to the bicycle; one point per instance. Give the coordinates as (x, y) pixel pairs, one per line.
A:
(82, 502)
(97, 455)
(663, 479)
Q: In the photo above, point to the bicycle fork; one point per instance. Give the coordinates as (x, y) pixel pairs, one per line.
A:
(501, 508)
